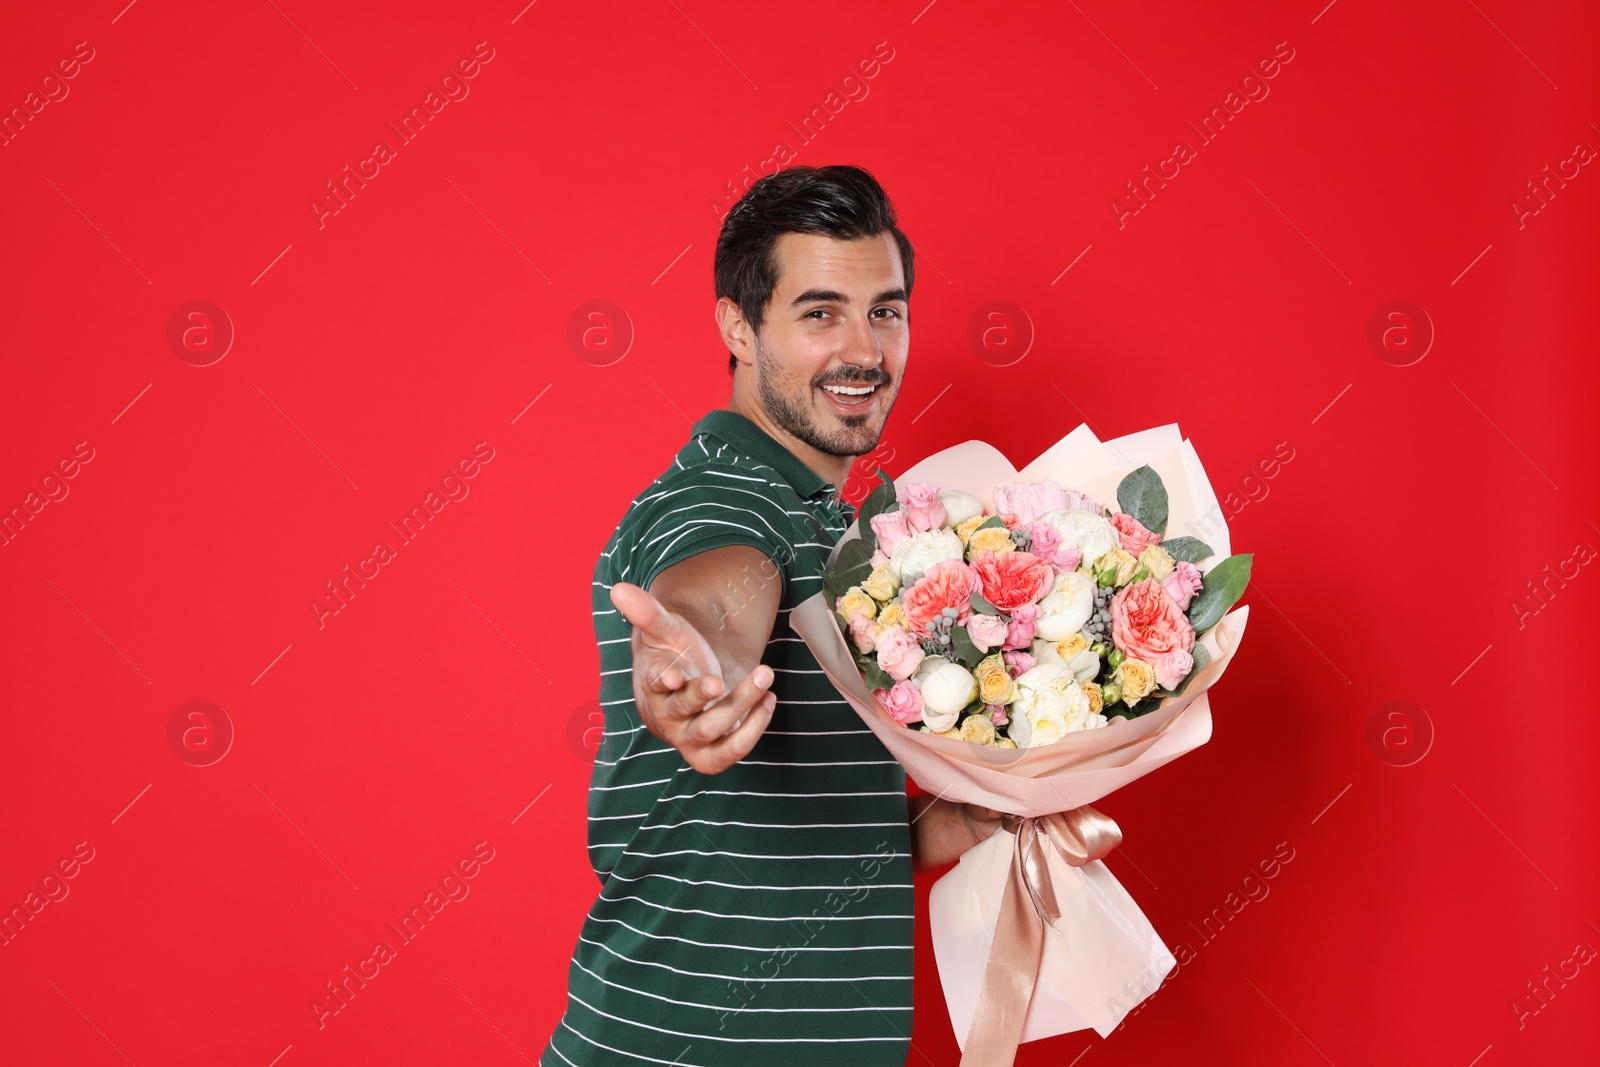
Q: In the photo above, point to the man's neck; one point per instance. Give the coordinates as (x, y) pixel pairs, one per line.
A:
(832, 469)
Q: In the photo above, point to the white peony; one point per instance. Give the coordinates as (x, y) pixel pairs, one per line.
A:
(1084, 666)
(914, 555)
(1070, 602)
(959, 506)
(1046, 710)
(1092, 535)
(947, 689)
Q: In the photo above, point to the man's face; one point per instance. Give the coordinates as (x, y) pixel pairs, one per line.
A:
(838, 317)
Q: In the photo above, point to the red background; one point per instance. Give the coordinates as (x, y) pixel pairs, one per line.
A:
(590, 161)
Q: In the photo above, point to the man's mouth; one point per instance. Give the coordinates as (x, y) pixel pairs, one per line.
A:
(850, 395)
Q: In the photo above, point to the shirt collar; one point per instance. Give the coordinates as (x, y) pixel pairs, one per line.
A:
(753, 441)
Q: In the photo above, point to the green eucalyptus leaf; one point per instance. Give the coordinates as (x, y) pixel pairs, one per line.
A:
(966, 653)
(851, 566)
(1143, 495)
(981, 604)
(1191, 549)
(875, 676)
(1223, 585)
(878, 501)
(990, 523)
(1145, 706)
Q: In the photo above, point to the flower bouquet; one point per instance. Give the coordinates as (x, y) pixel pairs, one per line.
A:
(1015, 643)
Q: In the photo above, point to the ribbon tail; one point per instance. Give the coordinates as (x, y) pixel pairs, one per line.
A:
(1009, 975)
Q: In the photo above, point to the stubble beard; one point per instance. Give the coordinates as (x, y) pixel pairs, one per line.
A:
(792, 412)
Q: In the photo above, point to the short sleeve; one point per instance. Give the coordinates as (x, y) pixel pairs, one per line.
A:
(706, 506)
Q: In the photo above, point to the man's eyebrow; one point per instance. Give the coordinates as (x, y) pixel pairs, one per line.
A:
(813, 296)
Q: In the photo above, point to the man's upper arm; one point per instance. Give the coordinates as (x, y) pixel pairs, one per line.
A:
(706, 507)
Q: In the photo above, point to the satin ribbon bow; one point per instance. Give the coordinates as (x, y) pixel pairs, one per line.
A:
(1028, 903)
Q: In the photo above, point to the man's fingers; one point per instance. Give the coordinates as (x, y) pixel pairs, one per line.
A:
(721, 717)
(737, 743)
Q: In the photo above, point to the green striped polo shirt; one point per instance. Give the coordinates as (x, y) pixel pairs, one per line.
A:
(762, 915)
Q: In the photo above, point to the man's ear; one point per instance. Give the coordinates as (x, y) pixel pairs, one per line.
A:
(735, 331)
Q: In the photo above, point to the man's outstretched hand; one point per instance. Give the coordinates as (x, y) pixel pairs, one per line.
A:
(677, 683)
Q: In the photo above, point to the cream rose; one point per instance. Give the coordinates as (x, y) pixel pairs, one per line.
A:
(995, 684)
(1123, 560)
(881, 584)
(857, 599)
(977, 729)
(1137, 679)
(964, 529)
(1158, 561)
(994, 539)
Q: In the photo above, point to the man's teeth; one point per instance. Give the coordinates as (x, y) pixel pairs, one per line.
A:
(847, 390)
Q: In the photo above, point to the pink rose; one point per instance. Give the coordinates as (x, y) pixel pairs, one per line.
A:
(987, 631)
(903, 701)
(879, 558)
(899, 654)
(922, 506)
(1135, 537)
(1045, 542)
(1183, 583)
(890, 527)
(997, 714)
(1017, 662)
(1012, 579)
(1173, 667)
(1146, 623)
(1029, 500)
(948, 584)
(864, 632)
(1020, 633)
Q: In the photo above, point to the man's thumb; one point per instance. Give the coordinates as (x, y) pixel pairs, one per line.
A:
(638, 606)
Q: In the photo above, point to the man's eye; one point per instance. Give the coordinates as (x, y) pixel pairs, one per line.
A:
(893, 311)
(815, 311)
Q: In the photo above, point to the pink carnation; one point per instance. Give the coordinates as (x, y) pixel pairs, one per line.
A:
(998, 714)
(1017, 662)
(1135, 537)
(922, 506)
(1020, 633)
(1183, 583)
(1172, 668)
(903, 701)
(1045, 542)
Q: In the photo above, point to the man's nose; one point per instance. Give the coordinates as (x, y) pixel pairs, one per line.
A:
(861, 345)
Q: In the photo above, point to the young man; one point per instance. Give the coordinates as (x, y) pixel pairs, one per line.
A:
(753, 839)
